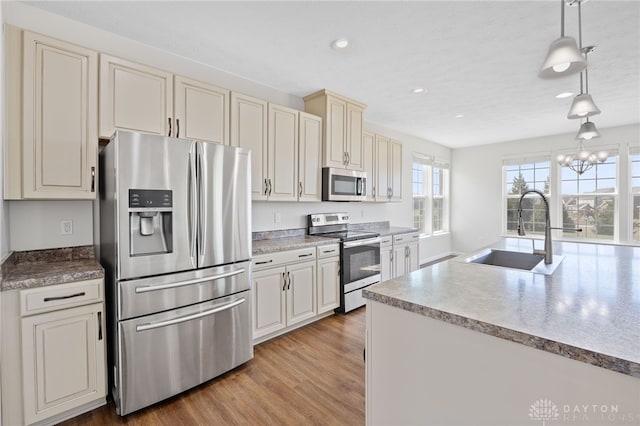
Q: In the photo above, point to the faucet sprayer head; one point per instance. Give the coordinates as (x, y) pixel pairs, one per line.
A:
(520, 223)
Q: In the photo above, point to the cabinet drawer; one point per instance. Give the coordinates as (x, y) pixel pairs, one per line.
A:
(329, 250)
(406, 238)
(281, 257)
(61, 296)
(386, 240)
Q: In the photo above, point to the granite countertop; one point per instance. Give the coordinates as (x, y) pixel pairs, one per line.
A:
(383, 228)
(272, 245)
(588, 310)
(41, 268)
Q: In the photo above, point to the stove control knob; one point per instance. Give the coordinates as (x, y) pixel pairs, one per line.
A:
(345, 217)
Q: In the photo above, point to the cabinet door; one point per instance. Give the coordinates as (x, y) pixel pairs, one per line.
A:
(413, 260)
(382, 168)
(386, 263)
(328, 284)
(336, 133)
(301, 292)
(309, 158)
(201, 111)
(354, 137)
(395, 170)
(63, 354)
(134, 97)
(282, 152)
(60, 140)
(249, 130)
(399, 260)
(268, 301)
(369, 163)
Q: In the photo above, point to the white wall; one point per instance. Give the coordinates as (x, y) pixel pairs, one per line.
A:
(292, 215)
(476, 182)
(4, 207)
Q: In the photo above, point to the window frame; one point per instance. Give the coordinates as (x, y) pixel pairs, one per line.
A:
(428, 165)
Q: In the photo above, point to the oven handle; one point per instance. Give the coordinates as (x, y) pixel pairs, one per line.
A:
(146, 289)
(357, 243)
(144, 327)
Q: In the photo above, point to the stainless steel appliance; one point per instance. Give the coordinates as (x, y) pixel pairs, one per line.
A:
(343, 185)
(175, 242)
(359, 256)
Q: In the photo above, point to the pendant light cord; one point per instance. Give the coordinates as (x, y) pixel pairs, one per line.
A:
(561, 18)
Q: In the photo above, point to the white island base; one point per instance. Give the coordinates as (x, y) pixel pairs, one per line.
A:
(423, 371)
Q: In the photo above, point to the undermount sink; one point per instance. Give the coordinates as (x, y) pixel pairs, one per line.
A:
(533, 262)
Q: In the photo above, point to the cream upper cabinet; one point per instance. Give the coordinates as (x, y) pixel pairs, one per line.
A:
(343, 127)
(369, 163)
(309, 157)
(282, 152)
(382, 168)
(249, 130)
(135, 97)
(52, 140)
(388, 169)
(201, 111)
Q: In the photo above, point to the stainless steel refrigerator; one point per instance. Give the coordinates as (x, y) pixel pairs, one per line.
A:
(175, 241)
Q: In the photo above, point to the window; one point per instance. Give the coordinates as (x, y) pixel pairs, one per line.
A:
(419, 197)
(519, 177)
(430, 195)
(635, 195)
(589, 201)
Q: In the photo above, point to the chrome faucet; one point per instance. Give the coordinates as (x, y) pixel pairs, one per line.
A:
(548, 250)
(548, 244)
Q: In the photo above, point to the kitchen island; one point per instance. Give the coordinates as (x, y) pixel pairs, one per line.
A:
(462, 343)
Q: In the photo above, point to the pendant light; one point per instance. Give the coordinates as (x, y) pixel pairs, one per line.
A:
(583, 105)
(587, 131)
(583, 160)
(564, 57)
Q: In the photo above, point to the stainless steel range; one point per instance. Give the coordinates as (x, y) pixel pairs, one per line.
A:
(175, 242)
(359, 256)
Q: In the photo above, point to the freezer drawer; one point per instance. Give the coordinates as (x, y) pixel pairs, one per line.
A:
(164, 354)
(157, 294)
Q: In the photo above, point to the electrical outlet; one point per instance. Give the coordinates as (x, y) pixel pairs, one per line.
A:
(66, 227)
(276, 217)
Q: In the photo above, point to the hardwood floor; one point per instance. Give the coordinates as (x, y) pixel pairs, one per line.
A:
(311, 376)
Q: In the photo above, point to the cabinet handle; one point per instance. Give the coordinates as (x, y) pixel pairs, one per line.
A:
(93, 179)
(391, 256)
(269, 187)
(266, 186)
(305, 255)
(348, 158)
(288, 281)
(99, 325)
(373, 190)
(51, 299)
(265, 261)
(177, 127)
(300, 189)
(284, 280)
(344, 158)
(169, 126)
(406, 251)
(328, 251)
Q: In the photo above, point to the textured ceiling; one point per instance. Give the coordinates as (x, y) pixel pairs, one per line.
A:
(477, 58)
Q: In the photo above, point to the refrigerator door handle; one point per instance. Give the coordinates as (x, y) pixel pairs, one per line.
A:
(192, 205)
(145, 289)
(202, 210)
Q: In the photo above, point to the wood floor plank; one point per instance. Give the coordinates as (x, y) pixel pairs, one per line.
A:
(311, 376)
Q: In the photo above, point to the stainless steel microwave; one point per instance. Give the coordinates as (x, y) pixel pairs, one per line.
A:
(343, 185)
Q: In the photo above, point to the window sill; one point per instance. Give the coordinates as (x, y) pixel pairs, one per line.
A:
(439, 234)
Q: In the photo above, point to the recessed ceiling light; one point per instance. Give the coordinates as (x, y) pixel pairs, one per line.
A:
(564, 95)
(339, 44)
(418, 90)
(460, 116)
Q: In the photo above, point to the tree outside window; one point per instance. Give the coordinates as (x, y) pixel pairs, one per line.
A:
(519, 178)
(419, 197)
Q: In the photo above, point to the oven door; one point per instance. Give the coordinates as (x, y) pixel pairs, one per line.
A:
(360, 260)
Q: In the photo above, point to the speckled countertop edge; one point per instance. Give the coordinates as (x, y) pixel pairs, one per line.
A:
(273, 245)
(39, 268)
(568, 351)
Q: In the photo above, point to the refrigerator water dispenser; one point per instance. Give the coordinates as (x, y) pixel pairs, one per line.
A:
(150, 221)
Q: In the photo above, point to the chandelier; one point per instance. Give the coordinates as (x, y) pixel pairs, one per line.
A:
(583, 160)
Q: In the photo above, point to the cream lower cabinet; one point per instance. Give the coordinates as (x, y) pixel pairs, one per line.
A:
(52, 137)
(386, 258)
(63, 349)
(328, 279)
(284, 290)
(405, 254)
